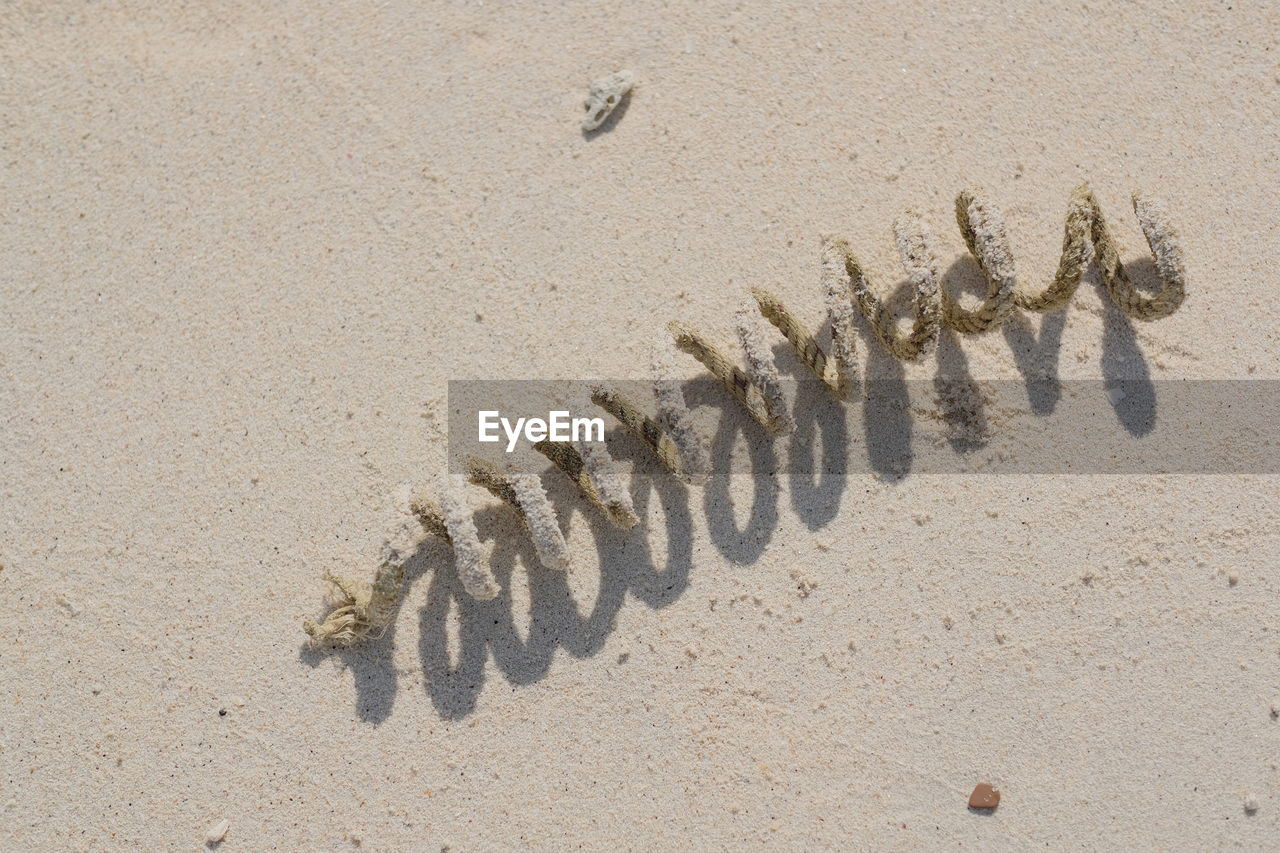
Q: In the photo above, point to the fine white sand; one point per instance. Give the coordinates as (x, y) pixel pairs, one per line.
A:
(243, 251)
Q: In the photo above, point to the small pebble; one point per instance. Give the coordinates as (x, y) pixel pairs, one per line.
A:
(984, 797)
(1251, 804)
(217, 832)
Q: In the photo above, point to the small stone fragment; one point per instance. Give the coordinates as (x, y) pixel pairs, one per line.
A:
(984, 797)
(217, 832)
(604, 96)
(1251, 804)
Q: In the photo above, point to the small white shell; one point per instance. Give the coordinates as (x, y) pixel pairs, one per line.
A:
(217, 832)
(605, 95)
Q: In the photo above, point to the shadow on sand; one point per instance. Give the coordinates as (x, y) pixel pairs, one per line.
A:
(454, 670)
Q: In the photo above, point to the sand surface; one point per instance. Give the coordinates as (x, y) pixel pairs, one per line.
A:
(243, 251)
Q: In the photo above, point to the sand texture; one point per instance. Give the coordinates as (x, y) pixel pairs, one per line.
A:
(244, 247)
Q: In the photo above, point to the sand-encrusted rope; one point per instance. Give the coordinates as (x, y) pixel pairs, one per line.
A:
(593, 470)
(363, 609)
(1166, 247)
(984, 233)
(838, 373)
(846, 288)
(360, 609)
(1086, 229)
(675, 421)
(523, 492)
(470, 560)
(916, 249)
(758, 387)
(671, 436)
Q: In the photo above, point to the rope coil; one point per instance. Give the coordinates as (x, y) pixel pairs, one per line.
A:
(363, 609)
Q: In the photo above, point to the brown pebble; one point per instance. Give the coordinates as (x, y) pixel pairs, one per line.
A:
(984, 797)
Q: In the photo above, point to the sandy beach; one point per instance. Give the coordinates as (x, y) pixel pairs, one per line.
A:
(245, 250)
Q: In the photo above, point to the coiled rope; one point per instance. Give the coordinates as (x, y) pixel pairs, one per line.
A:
(363, 608)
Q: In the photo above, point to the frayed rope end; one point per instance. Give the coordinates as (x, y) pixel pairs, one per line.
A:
(360, 610)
